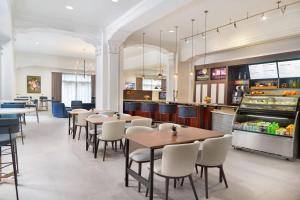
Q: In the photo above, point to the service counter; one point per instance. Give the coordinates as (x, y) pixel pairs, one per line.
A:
(208, 115)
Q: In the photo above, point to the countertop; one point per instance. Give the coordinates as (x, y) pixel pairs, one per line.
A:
(183, 103)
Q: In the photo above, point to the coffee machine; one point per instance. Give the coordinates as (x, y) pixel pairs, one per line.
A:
(237, 95)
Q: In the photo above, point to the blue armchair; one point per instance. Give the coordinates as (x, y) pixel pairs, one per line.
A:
(59, 109)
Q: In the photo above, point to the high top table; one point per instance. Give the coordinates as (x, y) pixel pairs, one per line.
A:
(157, 140)
(100, 121)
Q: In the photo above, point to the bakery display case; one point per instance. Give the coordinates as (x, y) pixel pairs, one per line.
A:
(268, 124)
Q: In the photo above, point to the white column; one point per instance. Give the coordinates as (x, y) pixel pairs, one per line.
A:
(170, 77)
(8, 72)
(114, 75)
(0, 72)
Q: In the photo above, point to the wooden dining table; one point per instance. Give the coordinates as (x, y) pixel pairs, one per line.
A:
(99, 121)
(157, 140)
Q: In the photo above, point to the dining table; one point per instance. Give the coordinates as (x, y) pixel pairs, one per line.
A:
(157, 140)
(99, 121)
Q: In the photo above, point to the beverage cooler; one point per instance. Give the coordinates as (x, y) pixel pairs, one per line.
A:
(268, 124)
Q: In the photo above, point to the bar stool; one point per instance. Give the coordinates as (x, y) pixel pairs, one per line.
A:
(131, 107)
(149, 107)
(8, 130)
(167, 109)
(186, 113)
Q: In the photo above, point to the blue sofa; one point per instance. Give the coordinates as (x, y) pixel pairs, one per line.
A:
(59, 109)
(88, 106)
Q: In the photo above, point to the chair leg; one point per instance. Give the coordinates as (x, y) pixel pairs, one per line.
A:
(220, 175)
(223, 174)
(105, 144)
(96, 147)
(175, 182)
(130, 163)
(140, 173)
(22, 135)
(15, 169)
(182, 181)
(147, 191)
(116, 146)
(206, 182)
(201, 173)
(79, 133)
(17, 159)
(196, 167)
(167, 188)
(112, 146)
(193, 186)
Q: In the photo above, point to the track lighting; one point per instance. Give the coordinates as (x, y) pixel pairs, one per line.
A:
(263, 17)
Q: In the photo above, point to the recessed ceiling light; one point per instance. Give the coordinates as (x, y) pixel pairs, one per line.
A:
(116, 1)
(37, 43)
(171, 31)
(69, 8)
(263, 17)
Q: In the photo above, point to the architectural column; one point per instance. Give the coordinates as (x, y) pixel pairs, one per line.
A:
(170, 77)
(108, 76)
(8, 72)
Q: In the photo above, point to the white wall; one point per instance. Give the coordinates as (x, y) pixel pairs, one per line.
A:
(29, 64)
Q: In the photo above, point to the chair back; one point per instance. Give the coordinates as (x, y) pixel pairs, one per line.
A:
(168, 126)
(80, 110)
(179, 160)
(187, 111)
(9, 124)
(147, 122)
(76, 104)
(137, 129)
(214, 151)
(81, 121)
(13, 105)
(113, 130)
(94, 116)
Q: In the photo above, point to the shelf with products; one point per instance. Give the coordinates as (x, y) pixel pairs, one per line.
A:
(263, 123)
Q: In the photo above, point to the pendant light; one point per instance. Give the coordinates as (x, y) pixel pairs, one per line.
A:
(205, 31)
(160, 76)
(176, 52)
(143, 41)
(191, 70)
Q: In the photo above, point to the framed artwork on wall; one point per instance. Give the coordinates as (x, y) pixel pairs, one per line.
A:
(33, 84)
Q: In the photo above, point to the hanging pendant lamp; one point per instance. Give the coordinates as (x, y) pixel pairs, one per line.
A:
(205, 30)
(160, 76)
(176, 52)
(143, 41)
(191, 70)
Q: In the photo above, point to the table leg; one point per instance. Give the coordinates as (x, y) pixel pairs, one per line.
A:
(69, 124)
(87, 136)
(151, 174)
(126, 161)
(95, 142)
(73, 129)
(37, 114)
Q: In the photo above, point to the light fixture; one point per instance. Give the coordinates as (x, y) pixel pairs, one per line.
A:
(160, 64)
(218, 31)
(115, 1)
(37, 43)
(143, 47)
(176, 52)
(203, 35)
(175, 75)
(171, 31)
(283, 9)
(69, 7)
(234, 25)
(191, 70)
(263, 17)
(205, 31)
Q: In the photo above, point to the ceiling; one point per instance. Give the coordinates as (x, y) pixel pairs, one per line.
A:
(219, 12)
(53, 43)
(86, 13)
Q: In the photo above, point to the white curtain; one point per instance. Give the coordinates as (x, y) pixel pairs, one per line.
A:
(76, 87)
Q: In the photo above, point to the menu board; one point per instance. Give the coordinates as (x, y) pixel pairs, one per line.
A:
(218, 73)
(289, 69)
(263, 71)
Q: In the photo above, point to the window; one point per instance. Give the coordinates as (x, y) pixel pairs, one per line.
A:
(76, 87)
(151, 84)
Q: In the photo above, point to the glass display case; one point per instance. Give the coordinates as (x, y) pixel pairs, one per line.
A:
(268, 124)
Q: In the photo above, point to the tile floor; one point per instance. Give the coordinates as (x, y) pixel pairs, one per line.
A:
(55, 167)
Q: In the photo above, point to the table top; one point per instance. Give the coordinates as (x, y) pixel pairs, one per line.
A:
(14, 101)
(99, 121)
(16, 110)
(72, 112)
(159, 139)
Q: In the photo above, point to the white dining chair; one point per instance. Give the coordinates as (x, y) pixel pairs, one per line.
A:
(81, 121)
(177, 162)
(213, 154)
(113, 132)
(138, 153)
(107, 113)
(147, 122)
(122, 115)
(168, 126)
(91, 129)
